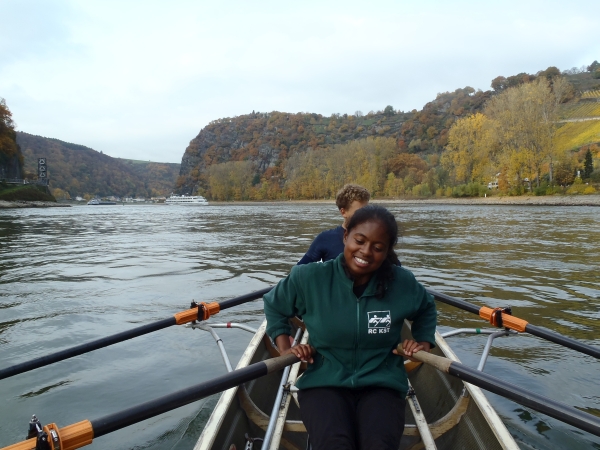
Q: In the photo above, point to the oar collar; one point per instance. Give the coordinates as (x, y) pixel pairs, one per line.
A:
(198, 311)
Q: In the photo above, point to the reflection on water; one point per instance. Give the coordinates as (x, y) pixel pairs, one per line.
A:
(72, 275)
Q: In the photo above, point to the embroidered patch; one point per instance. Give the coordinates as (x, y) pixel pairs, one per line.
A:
(379, 322)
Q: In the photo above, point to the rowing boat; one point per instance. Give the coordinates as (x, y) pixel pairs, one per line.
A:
(258, 407)
(443, 412)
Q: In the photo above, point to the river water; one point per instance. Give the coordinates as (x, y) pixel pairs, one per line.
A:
(71, 275)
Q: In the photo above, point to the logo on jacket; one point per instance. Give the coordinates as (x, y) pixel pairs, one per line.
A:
(379, 322)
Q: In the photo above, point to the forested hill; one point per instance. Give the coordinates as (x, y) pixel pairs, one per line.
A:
(269, 141)
(78, 170)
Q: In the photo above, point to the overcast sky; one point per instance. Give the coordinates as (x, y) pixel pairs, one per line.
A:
(139, 79)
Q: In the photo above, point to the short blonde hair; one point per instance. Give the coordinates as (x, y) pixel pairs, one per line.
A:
(351, 193)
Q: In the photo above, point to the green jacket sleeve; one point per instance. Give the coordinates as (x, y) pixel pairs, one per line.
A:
(425, 319)
(282, 302)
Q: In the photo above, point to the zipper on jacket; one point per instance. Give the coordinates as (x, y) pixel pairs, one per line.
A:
(356, 340)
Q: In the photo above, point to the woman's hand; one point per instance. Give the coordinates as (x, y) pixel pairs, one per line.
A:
(303, 351)
(409, 347)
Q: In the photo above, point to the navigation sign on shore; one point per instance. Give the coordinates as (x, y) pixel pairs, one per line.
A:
(42, 169)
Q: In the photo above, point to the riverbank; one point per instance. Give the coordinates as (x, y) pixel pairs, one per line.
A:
(24, 204)
(548, 200)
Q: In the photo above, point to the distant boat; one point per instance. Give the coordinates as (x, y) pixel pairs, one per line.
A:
(95, 201)
(196, 200)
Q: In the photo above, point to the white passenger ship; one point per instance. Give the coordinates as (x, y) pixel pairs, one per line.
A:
(196, 200)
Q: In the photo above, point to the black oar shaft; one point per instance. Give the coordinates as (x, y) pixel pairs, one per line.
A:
(85, 348)
(452, 301)
(243, 298)
(82, 433)
(113, 422)
(563, 340)
(552, 408)
(529, 328)
(119, 337)
(545, 405)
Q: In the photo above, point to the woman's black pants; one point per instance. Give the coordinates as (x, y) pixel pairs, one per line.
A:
(370, 418)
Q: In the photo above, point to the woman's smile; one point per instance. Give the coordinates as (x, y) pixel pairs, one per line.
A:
(365, 249)
(361, 262)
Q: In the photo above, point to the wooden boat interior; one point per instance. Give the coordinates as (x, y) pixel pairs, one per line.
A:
(442, 411)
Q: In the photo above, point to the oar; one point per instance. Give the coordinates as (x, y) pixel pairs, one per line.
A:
(552, 408)
(200, 312)
(81, 433)
(502, 319)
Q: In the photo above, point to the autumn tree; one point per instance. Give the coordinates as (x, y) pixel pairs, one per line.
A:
(363, 162)
(550, 72)
(59, 194)
(305, 175)
(499, 84)
(320, 173)
(231, 180)
(588, 164)
(394, 187)
(564, 173)
(11, 159)
(525, 123)
(593, 67)
(467, 154)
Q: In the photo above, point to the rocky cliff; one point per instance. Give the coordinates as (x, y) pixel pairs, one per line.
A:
(267, 139)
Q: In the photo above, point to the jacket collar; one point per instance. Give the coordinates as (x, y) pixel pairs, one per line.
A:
(346, 279)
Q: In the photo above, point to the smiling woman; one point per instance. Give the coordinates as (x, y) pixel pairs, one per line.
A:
(354, 307)
(369, 243)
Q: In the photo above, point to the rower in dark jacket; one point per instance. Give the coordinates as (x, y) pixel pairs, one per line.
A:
(329, 244)
(352, 396)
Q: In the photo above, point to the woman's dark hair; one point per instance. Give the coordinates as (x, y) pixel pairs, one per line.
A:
(376, 213)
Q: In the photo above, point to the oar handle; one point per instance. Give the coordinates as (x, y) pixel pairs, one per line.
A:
(525, 397)
(71, 437)
(438, 362)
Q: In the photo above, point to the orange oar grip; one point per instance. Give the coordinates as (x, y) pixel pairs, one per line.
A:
(70, 437)
(508, 321)
(29, 444)
(186, 316)
(77, 435)
(208, 309)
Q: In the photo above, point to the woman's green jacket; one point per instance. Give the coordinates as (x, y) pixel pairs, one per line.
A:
(354, 337)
